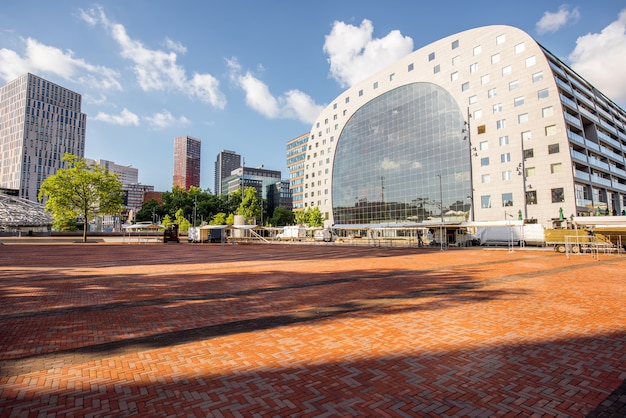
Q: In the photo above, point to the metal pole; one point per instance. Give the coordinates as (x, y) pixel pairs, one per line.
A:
(441, 212)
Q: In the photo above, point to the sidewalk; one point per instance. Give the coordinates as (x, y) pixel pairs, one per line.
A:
(309, 330)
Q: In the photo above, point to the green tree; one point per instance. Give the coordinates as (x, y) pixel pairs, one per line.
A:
(183, 223)
(219, 219)
(314, 217)
(250, 207)
(81, 190)
(282, 217)
(300, 217)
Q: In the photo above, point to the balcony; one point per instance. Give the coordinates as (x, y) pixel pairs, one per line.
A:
(601, 180)
(563, 85)
(588, 113)
(619, 186)
(575, 137)
(592, 145)
(599, 164)
(581, 175)
(611, 154)
(584, 203)
(579, 156)
(609, 140)
(572, 119)
(617, 171)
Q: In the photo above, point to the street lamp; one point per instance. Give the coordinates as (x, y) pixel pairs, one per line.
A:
(441, 211)
(468, 137)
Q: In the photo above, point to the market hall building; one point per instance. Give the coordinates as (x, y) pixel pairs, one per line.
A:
(484, 125)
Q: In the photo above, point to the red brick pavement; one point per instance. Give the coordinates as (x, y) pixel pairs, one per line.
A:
(308, 330)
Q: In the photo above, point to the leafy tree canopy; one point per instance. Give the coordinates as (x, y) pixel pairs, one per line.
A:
(81, 190)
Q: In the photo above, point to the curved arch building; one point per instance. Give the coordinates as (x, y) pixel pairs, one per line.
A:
(482, 125)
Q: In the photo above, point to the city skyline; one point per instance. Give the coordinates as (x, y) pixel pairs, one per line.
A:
(250, 81)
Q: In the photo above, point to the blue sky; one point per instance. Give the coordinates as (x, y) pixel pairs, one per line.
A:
(249, 75)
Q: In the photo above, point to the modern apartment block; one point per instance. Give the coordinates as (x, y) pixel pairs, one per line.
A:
(40, 121)
(296, 160)
(482, 125)
(225, 162)
(186, 162)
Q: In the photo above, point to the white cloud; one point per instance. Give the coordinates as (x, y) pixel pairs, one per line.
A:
(125, 118)
(294, 104)
(175, 46)
(165, 119)
(552, 22)
(157, 69)
(45, 59)
(601, 58)
(354, 55)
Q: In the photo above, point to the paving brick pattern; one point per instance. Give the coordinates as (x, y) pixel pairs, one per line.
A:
(111, 330)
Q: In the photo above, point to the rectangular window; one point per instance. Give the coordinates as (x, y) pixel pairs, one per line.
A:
(526, 136)
(456, 60)
(558, 195)
(375, 85)
(538, 77)
(556, 168)
(501, 124)
(497, 108)
(520, 48)
(530, 171)
(485, 202)
(523, 118)
(506, 70)
(473, 67)
(347, 100)
(531, 197)
(484, 79)
(550, 130)
(506, 175)
(465, 86)
(495, 58)
(436, 69)
(483, 145)
(454, 76)
(505, 158)
(477, 50)
(518, 101)
(543, 94)
(478, 114)
(530, 61)
(553, 149)
(486, 178)
(484, 161)
(455, 44)
(507, 199)
(492, 93)
(411, 67)
(513, 85)
(360, 94)
(500, 39)
(504, 140)
(431, 56)
(473, 99)
(529, 153)
(481, 129)
(547, 112)
(392, 76)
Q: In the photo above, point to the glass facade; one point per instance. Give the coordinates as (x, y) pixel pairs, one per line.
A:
(402, 158)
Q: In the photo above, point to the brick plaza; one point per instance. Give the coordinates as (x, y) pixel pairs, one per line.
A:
(110, 330)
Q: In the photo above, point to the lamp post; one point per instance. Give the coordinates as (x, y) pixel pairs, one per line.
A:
(468, 137)
(441, 211)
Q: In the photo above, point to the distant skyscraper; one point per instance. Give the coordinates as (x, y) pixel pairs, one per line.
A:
(225, 163)
(39, 122)
(186, 162)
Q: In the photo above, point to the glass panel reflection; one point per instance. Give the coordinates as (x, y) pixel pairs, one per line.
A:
(390, 153)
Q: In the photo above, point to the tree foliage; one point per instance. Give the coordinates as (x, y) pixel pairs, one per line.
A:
(282, 217)
(250, 206)
(81, 191)
(310, 217)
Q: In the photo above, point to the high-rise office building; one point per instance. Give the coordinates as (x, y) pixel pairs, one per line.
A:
(186, 162)
(485, 125)
(39, 122)
(296, 156)
(225, 163)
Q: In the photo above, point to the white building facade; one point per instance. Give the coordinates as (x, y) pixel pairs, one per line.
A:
(485, 124)
(39, 122)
